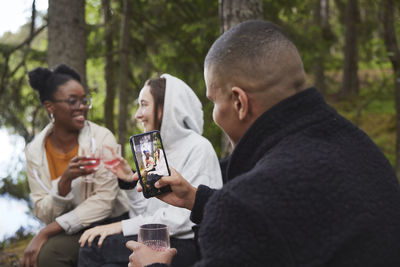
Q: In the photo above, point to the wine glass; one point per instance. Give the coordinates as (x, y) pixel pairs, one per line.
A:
(109, 155)
(155, 236)
(94, 160)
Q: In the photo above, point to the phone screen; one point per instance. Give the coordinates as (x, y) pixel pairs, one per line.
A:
(151, 161)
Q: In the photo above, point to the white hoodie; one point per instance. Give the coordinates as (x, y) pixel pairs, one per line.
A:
(187, 151)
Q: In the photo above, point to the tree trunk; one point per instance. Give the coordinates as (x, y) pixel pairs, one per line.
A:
(350, 83)
(109, 67)
(124, 75)
(321, 18)
(393, 52)
(67, 35)
(231, 13)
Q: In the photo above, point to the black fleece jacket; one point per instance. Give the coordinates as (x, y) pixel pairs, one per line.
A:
(305, 188)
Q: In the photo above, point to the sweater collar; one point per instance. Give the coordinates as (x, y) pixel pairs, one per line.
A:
(288, 116)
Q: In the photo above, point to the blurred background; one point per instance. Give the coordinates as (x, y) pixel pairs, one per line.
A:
(350, 48)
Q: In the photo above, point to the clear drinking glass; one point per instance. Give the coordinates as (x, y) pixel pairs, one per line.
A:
(94, 160)
(155, 236)
(110, 154)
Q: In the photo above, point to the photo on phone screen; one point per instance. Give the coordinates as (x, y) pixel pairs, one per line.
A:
(151, 161)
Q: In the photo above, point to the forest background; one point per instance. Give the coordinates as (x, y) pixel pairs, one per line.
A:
(350, 51)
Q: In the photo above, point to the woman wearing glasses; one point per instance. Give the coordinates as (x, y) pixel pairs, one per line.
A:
(54, 163)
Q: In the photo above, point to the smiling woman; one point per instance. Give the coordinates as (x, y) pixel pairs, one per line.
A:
(56, 162)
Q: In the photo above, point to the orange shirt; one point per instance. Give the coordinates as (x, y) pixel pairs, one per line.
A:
(57, 161)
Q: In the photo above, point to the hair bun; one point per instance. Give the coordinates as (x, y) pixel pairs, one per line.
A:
(38, 78)
(64, 69)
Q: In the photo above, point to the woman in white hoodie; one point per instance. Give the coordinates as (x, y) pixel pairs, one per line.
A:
(169, 105)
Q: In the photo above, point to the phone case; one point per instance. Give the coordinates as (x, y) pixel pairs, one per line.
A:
(151, 161)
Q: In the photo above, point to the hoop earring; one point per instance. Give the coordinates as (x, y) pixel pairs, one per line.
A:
(52, 120)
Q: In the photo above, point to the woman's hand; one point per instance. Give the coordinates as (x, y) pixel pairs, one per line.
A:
(102, 230)
(122, 170)
(143, 255)
(31, 253)
(75, 169)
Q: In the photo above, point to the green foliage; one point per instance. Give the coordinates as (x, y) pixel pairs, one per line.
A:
(174, 37)
(373, 111)
(18, 188)
(166, 37)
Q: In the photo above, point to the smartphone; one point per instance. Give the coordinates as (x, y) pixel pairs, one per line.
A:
(151, 161)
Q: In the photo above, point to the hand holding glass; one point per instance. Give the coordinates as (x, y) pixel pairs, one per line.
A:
(113, 162)
(155, 236)
(110, 155)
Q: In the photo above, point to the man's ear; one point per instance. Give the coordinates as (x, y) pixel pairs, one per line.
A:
(240, 102)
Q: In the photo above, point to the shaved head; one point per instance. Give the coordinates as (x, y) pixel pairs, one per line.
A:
(257, 57)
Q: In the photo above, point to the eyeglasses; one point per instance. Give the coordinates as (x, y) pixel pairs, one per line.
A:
(74, 102)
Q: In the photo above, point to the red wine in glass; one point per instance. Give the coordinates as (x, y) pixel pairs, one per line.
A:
(111, 163)
(110, 155)
(94, 163)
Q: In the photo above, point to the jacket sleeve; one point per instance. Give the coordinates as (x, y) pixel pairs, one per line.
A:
(99, 205)
(202, 196)
(47, 204)
(208, 176)
(126, 185)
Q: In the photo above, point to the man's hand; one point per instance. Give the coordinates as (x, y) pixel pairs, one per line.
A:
(143, 255)
(183, 193)
(32, 251)
(102, 230)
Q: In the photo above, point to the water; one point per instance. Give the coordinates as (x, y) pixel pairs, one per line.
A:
(12, 158)
(14, 213)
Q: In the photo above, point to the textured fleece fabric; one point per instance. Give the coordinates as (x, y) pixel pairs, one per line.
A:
(305, 188)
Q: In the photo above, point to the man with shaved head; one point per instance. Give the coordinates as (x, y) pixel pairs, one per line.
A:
(304, 186)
